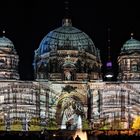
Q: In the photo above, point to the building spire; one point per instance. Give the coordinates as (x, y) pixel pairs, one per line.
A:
(67, 14)
(109, 74)
(66, 20)
(109, 44)
(109, 63)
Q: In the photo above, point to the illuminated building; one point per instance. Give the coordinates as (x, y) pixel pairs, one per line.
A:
(68, 83)
(8, 59)
(19, 100)
(129, 61)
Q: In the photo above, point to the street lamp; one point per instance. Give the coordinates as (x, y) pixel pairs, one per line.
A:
(43, 121)
(129, 116)
(25, 126)
(7, 118)
(26, 122)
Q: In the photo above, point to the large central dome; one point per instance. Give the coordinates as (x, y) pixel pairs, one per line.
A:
(67, 53)
(66, 36)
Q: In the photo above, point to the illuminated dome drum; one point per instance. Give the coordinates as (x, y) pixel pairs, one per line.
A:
(131, 45)
(67, 53)
(8, 59)
(129, 61)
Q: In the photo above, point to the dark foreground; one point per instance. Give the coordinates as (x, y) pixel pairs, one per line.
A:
(64, 135)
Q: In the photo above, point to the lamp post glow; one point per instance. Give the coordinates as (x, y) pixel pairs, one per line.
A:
(7, 118)
(109, 75)
(129, 116)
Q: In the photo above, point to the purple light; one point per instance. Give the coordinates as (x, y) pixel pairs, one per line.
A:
(109, 64)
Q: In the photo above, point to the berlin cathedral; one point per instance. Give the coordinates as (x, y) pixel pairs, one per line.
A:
(68, 91)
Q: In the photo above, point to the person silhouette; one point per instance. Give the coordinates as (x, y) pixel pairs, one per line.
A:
(77, 137)
(71, 138)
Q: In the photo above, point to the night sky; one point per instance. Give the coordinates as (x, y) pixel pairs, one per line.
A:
(27, 23)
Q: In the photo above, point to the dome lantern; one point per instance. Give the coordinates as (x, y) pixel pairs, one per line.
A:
(66, 22)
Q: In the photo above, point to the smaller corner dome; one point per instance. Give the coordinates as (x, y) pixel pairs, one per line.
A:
(5, 42)
(131, 45)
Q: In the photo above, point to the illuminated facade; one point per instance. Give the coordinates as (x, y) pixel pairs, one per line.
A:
(68, 84)
(8, 60)
(19, 100)
(67, 53)
(129, 61)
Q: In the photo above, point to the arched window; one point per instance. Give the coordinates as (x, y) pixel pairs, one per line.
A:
(139, 66)
(134, 66)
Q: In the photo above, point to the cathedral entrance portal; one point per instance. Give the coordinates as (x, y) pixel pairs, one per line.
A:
(72, 112)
